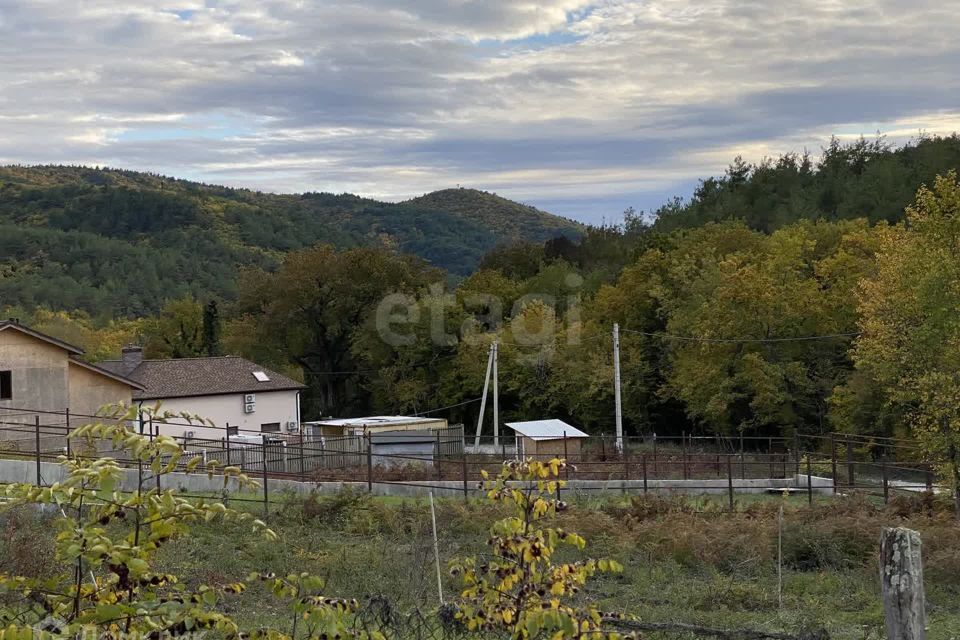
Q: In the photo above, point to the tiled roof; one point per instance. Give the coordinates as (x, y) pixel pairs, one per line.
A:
(186, 377)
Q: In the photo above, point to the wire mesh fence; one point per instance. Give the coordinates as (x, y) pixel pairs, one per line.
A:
(438, 459)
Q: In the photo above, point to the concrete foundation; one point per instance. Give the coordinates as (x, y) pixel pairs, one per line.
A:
(25, 471)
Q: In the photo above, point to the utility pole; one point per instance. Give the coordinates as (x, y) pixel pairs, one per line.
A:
(496, 398)
(616, 384)
(483, 402)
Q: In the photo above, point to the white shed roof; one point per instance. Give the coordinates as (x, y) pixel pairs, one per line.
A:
(546, 429)
(373, 421)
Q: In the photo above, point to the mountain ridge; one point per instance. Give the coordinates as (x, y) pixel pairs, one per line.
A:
(59, 224)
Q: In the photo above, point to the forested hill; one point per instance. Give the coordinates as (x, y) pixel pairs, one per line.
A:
(121, 242)
(865, 179)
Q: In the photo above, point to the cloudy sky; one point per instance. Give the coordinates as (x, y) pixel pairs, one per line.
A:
(579, 107)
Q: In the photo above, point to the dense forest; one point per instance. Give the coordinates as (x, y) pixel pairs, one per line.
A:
(116, 243)
(836, 311)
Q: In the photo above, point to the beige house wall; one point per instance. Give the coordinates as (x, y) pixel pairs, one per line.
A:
(89, 391)
(38, 373)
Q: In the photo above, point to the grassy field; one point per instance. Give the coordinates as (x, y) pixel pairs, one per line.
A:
(685, 559)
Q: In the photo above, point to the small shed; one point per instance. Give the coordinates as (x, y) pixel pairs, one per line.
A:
(547, 438)
(371, 425)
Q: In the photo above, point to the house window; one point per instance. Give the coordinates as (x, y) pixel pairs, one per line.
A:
(233, 430)
(6, 385)
(270, 427)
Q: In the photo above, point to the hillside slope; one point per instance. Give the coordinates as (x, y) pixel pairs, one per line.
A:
(119, 242)
(861, 179)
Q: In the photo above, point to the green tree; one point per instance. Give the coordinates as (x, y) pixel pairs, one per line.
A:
(211, 329)
(176, 332)
(911, 331)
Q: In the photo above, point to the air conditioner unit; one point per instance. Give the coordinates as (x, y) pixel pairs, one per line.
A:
(293, 427)
(250, 398)
(189, 434)
(249, 407)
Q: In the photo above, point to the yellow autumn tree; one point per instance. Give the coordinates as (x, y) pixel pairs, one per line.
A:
(911, 327)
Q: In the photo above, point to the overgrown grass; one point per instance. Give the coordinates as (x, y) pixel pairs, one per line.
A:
(685, 559)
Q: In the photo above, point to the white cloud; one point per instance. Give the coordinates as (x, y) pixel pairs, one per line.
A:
(534, 99)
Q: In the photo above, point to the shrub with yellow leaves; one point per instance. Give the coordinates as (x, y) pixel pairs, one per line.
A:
(519, 589)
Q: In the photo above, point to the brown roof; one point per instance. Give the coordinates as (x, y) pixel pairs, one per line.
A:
(186, 377)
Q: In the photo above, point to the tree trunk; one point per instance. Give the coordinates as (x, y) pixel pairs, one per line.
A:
(901, 584)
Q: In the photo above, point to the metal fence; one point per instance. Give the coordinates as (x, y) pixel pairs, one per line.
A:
(850, 463)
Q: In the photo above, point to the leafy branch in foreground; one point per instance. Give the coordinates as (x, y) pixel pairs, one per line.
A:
(113, 522)
(521, 590)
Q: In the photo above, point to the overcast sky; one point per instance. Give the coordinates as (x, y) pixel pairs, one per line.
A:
(581, 108)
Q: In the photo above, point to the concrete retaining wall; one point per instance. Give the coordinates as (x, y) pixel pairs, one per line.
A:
(198, 483)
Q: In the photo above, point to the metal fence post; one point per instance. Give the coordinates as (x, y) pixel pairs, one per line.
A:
(770, 455)
(463, 468)
(438, 460)
(809, 482)
(743, 469)
(886, 484)
(643, 464)
(796, 450)
(626, 462)
(369, 465)
(851, 476)
(566, 458)
(156, 475)
(66, 414)
(300, 447)
(37, 438)
(683, 452)
(833, 460)
(730, 481)
(266, 491)
(227, 445)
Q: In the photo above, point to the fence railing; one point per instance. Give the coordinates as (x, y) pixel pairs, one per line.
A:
(878, 466)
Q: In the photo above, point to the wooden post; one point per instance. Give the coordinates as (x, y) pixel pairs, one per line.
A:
(227, 444)
(37, 437)
(730, 481)
(656, 471)
(901, 584)
(809, 482)
(369, 465)
(566, 458)
(929, 479)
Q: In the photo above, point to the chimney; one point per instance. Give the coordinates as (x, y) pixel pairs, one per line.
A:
(132, 356)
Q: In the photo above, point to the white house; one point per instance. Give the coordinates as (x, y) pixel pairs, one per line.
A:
(238, 396)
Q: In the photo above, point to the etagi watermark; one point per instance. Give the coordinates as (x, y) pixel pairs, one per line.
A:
(534, 319)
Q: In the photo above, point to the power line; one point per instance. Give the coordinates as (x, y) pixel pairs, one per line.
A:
(669, 336)
(453, 406)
